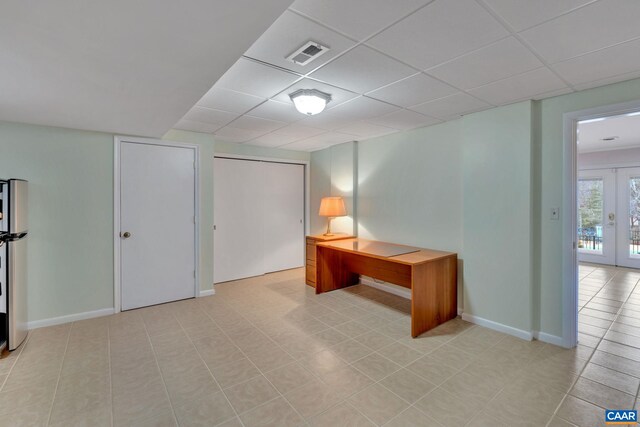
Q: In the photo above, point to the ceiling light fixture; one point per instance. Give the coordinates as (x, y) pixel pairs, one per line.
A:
(310, 101)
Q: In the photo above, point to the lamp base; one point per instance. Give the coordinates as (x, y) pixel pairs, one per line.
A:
(328, 234)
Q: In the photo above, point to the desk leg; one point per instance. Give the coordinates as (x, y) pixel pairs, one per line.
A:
(331, 273)
(434, 292)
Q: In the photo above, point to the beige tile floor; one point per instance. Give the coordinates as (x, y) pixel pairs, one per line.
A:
(267, 351)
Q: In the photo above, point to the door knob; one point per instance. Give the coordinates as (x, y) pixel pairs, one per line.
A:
(125, 235)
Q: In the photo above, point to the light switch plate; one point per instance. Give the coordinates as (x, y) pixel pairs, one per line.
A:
(555, 213)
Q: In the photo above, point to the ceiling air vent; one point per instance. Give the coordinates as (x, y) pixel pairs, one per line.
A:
(307, 53)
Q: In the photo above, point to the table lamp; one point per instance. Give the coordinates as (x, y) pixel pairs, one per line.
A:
(331, 207)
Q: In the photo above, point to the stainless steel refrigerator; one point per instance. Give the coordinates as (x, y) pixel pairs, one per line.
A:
(13, 262)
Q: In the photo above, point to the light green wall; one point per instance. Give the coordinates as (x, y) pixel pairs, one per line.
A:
(410, 188)
(497, 192)
(70, 172)
(70, 248)
(482, 185)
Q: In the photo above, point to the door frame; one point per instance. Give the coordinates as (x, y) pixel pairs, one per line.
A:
(117, 144)
(307, 187)
(570, 206)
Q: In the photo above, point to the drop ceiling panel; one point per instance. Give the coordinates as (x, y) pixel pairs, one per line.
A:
(288, 34)
(595, 26)
(231, 134)
(274, 110)
(404, 120)
(348, 16)
(228, 100)
(120, 66)
(365, 130)
(338, 96)
(520, 87)
(257, 124)
(617, 60)
(608, 81)
(522, 14)
(413, 90)
(299, 131)
(328, 120)
(321, 141)
(362, 69)
(451, 107)
(208, 115)
(272, 140)
(250, 77)
(439, 32)
(196, 126)
(499, 60)
(363, 108)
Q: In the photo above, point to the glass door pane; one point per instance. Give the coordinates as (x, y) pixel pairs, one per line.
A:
(633, 237)
(590, 215)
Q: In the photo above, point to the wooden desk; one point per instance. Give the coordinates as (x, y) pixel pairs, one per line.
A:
(430, 274)
(311, 254)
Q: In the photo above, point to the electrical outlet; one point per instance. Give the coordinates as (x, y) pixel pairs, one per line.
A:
(555, 213)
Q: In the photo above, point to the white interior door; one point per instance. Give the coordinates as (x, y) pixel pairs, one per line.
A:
(157, 209)
(628, 218)
(596, 216)
(283, 216)
(258, 217)
(237, 211)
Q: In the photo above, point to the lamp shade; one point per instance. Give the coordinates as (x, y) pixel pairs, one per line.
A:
(332, 206)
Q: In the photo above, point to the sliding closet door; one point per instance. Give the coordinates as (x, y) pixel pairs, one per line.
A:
(283, 216)
(237, 211)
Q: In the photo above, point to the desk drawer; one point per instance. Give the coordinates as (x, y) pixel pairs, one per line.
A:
(311, 273)
(311, 252)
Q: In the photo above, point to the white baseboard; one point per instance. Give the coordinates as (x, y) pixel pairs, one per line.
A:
(519, 333)
(392, 289)
(69, 318)
(548, 338)
(207, 292)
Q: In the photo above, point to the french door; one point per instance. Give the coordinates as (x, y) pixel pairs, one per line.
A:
(609, 216)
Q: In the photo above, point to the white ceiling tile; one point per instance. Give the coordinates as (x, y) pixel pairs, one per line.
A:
(405, 120)
(504, 58)
(208, 115)
(250, 77)
(272, 140)
(289, 33)
(522, 14)
(520, 87)
(451, 107)
(613, 61)
(231, 134)
(196, 126)
(327, 120)
(366, 130)
(220, 98)
(299, 131)
(608, 81)
(362, 108)
(338, 96)
(439, 32)
(553, 93)
(362, 70)
(257, 124)
(275, 110)
(347, 16)
(320, 141)
(413, 90)
(593, 27)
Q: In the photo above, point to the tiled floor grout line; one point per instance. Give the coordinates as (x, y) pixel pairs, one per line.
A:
(15, 362)
(155, 358)
(259, 370)
(64, 355)
(579, 375)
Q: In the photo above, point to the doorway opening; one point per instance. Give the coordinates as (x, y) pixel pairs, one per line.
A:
(602, 199)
